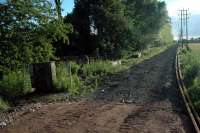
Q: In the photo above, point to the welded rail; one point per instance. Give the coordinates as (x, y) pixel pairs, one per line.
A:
(186, 98)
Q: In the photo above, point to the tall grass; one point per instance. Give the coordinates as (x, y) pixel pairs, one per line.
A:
(15, 84)
(190, 64)
(94, 72)
(83, 79)
(67, 79)
(73, 78)
(3, 104)
(99, 67)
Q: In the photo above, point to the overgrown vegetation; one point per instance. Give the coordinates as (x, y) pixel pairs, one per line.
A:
(82, 79)
(27, 30)
(3, 104)
(34, 31)
(67, 78)
(110, 27)
(15, 84)
(191, 70)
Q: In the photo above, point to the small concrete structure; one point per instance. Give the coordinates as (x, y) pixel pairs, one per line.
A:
(42, 76)
(115, 63)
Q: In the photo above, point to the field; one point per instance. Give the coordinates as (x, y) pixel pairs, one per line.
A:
(190, 64)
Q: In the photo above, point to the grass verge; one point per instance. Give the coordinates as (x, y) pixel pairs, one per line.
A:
(72, 78)
(84, 79)
(190, 65)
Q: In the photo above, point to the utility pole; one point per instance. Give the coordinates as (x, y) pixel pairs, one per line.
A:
(186, 19)
(181, 11)
(184, 22)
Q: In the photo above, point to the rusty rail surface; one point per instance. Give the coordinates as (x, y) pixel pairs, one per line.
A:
(186, 98)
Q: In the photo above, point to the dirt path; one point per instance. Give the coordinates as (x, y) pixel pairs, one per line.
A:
(143, 99)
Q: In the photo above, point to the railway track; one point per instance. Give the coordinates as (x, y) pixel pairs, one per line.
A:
(186, 98)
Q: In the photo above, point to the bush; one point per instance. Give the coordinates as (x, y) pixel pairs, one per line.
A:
(191, 71)
(191, 66)
(15, 84)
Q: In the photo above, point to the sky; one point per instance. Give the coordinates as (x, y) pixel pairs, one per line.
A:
(174, 5)
(67, 6)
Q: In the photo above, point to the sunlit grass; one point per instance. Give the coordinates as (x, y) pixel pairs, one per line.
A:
(190, 64)
(3, 104)
(83, 79)
(72, 78)
(15, 84)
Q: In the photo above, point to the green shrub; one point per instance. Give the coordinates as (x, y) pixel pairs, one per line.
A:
(74, 67)
(15, 84)
(3, 104)
(190, 65)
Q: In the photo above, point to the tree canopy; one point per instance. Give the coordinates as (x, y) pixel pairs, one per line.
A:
(27, 29)
(35, 31)
(111, 26)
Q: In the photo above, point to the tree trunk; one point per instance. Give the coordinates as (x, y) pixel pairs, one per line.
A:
(58, 8)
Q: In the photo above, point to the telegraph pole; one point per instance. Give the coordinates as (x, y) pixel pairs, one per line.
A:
(184, 22)
(181, 28)
(186, 19)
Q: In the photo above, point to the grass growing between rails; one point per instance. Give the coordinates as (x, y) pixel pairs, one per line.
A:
(190, 64)
(83, 79)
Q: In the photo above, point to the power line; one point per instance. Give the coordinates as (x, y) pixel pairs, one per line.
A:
(183, 16)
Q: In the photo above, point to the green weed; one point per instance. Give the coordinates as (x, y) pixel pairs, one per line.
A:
(67, 79)
(15, 84)
(190, 64)
(3, 104)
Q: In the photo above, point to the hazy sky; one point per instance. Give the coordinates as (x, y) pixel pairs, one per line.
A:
(174, 5)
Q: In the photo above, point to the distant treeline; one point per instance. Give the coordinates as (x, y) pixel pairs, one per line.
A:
(194, 40)
(34, 31)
